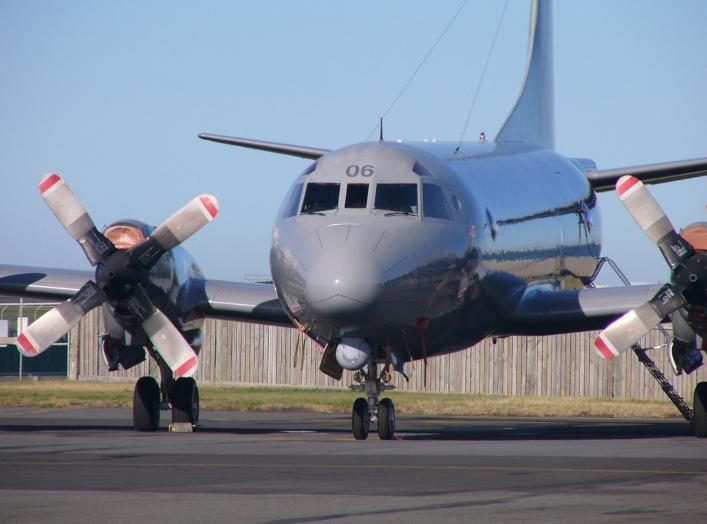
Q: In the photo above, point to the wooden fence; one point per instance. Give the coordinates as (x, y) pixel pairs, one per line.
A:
(561, 365)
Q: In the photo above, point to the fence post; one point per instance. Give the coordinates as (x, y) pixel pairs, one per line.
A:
(20, 326)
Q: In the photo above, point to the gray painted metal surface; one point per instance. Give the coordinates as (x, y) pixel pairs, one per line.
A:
(532, 120)
(273, 147)
(605, 179)
(373, 274)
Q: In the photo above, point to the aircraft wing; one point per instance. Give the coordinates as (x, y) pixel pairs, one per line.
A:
(211, 298)
(548, 312)
(238, 301)
(40, 282)
(605, 179)
(272, 147)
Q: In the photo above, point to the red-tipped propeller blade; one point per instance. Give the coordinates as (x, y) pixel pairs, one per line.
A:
(176, 229)
(652, 219)
(170, 344)
(56, 322)
(621, 334)
(73, 216)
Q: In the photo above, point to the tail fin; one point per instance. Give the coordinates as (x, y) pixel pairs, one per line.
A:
(532, 120)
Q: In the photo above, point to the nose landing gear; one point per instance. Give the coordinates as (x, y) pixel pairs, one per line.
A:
(370, 409)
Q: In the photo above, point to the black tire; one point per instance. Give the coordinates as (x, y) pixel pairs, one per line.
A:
(185, 401)
(699, 405)
(386, 419)
(360, 419)
(146, 404)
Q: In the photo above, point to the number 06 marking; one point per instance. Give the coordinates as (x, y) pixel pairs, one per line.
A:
(355, 170)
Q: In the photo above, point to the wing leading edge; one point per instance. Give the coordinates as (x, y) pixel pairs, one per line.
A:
(605, 179)
(272, 147)
(210, 298)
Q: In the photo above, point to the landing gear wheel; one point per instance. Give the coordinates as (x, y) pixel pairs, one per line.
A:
(360, 419)
(185, 401)
(146, 404)
(699, 422)
(386, 419)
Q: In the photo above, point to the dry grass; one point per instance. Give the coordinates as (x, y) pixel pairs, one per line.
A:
(64, 394)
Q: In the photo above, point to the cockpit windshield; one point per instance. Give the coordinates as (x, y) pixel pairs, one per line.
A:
(320, 197)
(434, 205)
(397, 198)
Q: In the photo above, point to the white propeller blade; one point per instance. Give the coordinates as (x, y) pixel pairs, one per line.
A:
(643, 207)
(59, 320)
(176, 229)
(73, 216)
(48, 328)
(170, 344)
(188, 220)
(646, 211)
(622, 333)
(64, 204)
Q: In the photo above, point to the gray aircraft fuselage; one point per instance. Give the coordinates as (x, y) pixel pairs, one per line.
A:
(452, 263)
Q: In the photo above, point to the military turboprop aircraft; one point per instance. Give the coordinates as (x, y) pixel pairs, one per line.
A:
(388, 252)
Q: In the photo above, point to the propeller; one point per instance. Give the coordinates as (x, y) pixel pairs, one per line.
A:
(688, 273)
(119, 275)
(73, 216)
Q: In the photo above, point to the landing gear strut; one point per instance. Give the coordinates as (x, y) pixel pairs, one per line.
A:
(370, 409)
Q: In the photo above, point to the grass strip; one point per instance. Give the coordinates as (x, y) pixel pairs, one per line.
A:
(67, 394)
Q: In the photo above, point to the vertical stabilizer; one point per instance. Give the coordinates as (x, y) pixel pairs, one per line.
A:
(532, 120)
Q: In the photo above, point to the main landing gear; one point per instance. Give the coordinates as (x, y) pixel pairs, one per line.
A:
(182, 396)
(699, 406)
(370, 409)
(146, 404)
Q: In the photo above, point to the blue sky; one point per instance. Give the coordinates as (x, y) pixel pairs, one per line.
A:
(112, 95)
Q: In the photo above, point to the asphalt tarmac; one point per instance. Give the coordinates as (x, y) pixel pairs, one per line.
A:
(88, 465)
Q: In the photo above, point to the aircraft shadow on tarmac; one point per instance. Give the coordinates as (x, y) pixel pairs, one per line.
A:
(420, 428)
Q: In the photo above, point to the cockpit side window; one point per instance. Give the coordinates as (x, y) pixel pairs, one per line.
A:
(434, 204)
(291, 202)
(356, 196)
(398, 198)
(320, 197)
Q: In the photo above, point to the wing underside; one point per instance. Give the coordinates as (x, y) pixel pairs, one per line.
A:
(547, 312)
(249, 302)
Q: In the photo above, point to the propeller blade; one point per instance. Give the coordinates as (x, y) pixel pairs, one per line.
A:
(652, 219)
(170, 344)
(165, 337)
(176, 229)
(73, 216)
(621, 334)
(58, 321)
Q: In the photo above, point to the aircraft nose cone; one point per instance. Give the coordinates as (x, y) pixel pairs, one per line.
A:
(342, 281)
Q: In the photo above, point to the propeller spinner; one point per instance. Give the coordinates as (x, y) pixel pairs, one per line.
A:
(688, 273)
(118, 275)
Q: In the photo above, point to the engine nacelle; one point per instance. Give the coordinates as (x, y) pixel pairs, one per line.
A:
(352, 353)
